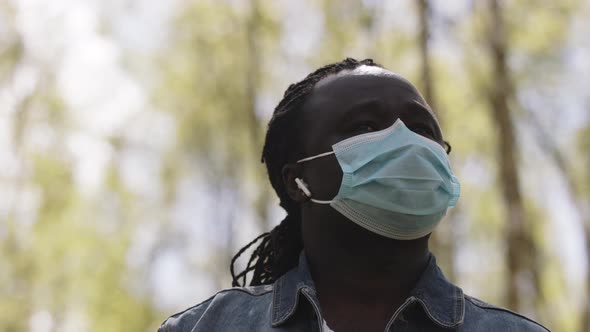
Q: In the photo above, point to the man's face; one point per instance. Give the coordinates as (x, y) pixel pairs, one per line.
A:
(341, 108)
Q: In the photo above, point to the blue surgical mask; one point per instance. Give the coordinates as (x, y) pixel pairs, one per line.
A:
(395, 182)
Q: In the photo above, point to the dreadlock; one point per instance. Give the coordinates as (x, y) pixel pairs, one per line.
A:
(279, 249)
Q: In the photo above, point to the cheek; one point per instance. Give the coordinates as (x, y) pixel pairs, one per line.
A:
(323, 176)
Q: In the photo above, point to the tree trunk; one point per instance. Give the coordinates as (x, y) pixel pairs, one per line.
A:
(443, 240)
(424, 14)
(520, 247)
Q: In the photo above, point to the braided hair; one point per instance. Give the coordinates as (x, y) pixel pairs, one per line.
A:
(278, 250)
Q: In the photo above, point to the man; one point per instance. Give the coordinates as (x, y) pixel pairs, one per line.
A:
(356, 158)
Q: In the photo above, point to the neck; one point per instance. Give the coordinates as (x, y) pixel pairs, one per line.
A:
(384, 268)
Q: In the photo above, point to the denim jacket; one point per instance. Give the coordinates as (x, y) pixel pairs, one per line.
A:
(291, 304)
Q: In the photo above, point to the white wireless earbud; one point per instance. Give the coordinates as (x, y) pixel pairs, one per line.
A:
(301, 185)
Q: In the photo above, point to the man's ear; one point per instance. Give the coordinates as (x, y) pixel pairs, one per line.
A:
(290, 172)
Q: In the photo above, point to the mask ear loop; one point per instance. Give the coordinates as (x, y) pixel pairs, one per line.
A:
(315, 157)
(303, 187)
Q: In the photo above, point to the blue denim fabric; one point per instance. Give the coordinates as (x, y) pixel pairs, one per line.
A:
(290, 304)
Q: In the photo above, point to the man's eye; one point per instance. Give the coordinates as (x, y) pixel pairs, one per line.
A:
(365, 128)
(423, 131)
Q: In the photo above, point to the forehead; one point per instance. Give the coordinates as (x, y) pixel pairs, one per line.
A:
(338, 92)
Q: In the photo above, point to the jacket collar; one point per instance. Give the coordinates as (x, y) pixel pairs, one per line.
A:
(287, 289)
(442, 301)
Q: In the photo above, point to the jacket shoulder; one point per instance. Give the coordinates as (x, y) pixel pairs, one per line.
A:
(485, 316)
(186, 320)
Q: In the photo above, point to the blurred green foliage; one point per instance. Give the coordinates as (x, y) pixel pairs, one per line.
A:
(221, 70)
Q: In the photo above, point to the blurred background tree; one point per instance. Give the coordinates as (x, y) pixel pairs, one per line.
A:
(131, 134)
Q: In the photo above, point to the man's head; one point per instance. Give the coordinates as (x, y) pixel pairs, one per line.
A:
(333, 103)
